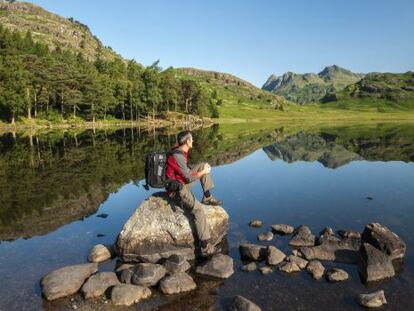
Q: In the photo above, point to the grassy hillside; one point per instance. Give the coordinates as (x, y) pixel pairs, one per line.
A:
(310, 87)
(53, 30)
(381, 91)
(234, 96)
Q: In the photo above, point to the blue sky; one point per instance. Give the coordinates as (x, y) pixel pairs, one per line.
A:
(253, 39)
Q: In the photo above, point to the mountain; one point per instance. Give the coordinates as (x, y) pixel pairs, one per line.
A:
(54, 30)
(311, 87)
(382, 90)
(230, 90)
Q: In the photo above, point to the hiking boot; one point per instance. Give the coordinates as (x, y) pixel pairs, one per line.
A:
(211, 201)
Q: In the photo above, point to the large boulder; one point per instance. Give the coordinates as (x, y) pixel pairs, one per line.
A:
(67, 280)
(159, 228)
(385, 240)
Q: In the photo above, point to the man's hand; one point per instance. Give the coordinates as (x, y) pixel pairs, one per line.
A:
(206, 170)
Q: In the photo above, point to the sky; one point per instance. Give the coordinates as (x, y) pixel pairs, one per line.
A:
(253, 38)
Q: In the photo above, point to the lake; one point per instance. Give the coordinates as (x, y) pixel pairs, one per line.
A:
(63, 192)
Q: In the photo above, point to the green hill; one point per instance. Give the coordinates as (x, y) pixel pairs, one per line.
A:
(234, 96)
(311, 87)
(54, 30)
(383, 91)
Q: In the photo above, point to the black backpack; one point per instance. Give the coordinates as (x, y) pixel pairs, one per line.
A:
(155, 165)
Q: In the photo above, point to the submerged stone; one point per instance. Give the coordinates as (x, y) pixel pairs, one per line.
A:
(267, 236)
(249, 267)
(67, 280)
(243, 304)
(255, 223)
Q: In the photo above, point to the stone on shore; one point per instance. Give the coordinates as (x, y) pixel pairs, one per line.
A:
(282, 229)
(176, 264)
(289, 267)
(315, 268)
(302, 236)
(372, 300)
(249, 267)
(253, 251)
(375, 264)
(336, 275)
(99, 253)
(349, 234)
(345, 251)
(274, 256)
(242, 304)
(302, 263)
(266, 270)
(385, 240)
(126, 276)
(147, 274)
(67, 280)
(127, 295)
(265, 237)
(219, 266)
(98, 283)
(255, 223)
(159, 228)
(177, 283)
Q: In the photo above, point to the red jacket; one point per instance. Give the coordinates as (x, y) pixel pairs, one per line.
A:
(177, 167)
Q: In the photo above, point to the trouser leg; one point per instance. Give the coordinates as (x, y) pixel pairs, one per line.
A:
(191, 203)
(205, 180)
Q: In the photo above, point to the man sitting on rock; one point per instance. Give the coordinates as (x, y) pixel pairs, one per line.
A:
(181, 177)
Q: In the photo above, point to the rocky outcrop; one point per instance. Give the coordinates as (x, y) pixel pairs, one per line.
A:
(385, 240)
(66, 281)
(159, 228)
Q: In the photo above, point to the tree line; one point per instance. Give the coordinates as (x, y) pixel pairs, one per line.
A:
(36, 82)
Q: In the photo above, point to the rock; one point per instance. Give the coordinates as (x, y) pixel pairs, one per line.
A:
(253, 251)
(127, 295)
(345, 251)
(373, 300)
(336, 275)
(177, 283)
(268, 236)
(99, 253)
(249, 267)
(327, 231)
(289, 267)
(126, 276)
(255, 223)
(124, 266)
(266, 270)
(316, 269)
(302, 263)
(242, 304)
(176, 264)
(385, 240)
(159, 228)
(375, 265)
(349, 234)
(147, 274)
(97, 284)
(274, 256)
(296, 253)
(302, 236)
(282, 229)
(66, 281)
(220, 266)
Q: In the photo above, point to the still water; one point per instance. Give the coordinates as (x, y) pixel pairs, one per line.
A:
(62, 193)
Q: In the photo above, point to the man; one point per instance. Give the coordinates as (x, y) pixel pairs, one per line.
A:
(184, 176)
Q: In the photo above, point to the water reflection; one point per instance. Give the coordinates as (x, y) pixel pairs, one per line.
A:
(47, 181)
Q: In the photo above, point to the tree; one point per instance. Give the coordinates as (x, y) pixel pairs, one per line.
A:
(152, 93)
(169, 89)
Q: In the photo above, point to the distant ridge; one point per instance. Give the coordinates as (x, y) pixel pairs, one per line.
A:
(311, 87)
